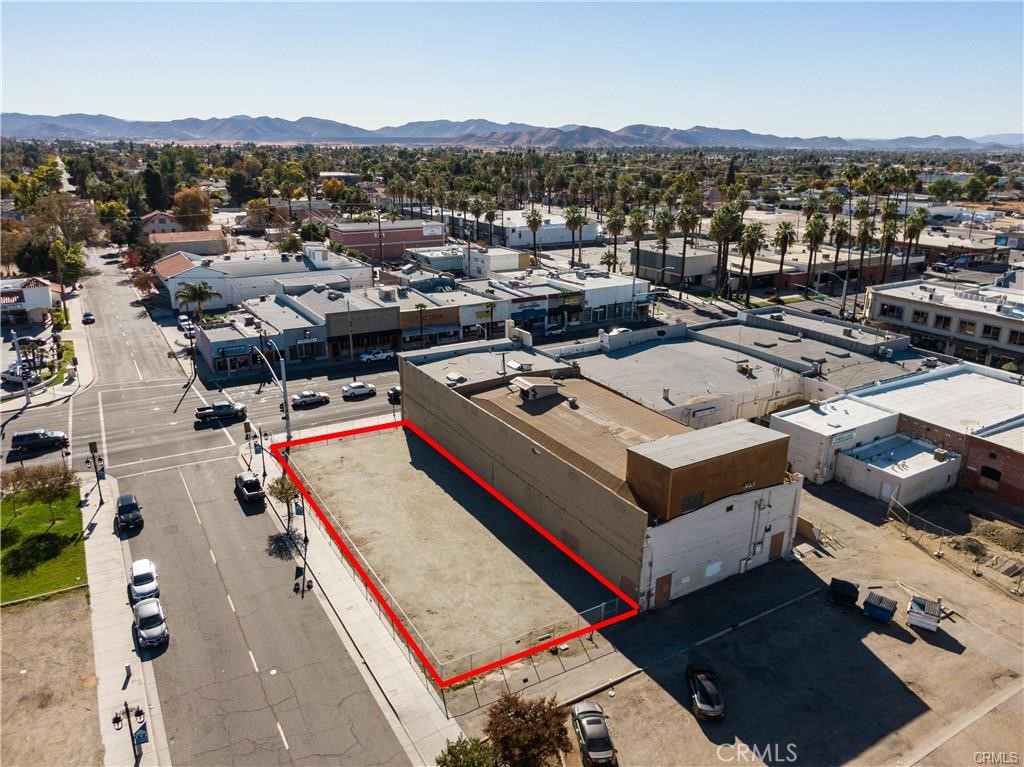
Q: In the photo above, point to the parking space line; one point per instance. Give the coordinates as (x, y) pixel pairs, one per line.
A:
(231, 604)
(189, 494)
(103, 427)
(213, 557)
(176, 466)
(253, 659)
(281, 733)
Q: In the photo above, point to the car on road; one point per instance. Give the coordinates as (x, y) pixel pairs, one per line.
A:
(395, 395)
(127, 512)
(248, 487)
(942, 268)
(705, 692)
(20, 374)
(221, 409)
(358, 389)
(150, 623)
(619, 331)
(189, 330)
(591, 728)
(822, 312)
(37, 439)
(143, 582)
(183, 321)
(377, 355)
(88, 318)
(307, 398)
(558, 331)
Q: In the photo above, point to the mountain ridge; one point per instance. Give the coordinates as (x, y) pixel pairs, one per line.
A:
(479, 133)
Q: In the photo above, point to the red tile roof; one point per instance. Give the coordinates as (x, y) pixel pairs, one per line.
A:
(172, 265)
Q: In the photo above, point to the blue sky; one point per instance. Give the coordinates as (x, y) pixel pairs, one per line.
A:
(805, 69)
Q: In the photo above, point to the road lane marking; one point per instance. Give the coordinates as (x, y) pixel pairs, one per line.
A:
(194, 509)
(166, 457)
(103, 428)
(177, 466)
(253, 659)
(281, 733)
(213, 557)
(232, 604)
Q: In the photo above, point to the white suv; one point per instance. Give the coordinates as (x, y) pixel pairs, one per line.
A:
(377, 355)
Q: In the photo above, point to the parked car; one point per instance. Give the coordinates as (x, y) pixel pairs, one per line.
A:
(395, 395)
(619, 331)
(128, 512)
(142, 581)
(559, 331)
(20, 374)
(307, 398)
(822, 312)
(942, 268)
(189, 331)
(358, 389)
(591, 728)
(37, 439)
(88, 318)
(377, 355)
(248, 487)
(183, 320)
(705, 693)
(150, 623)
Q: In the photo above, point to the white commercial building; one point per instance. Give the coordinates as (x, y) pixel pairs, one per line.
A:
(25, 300)
(899, 467)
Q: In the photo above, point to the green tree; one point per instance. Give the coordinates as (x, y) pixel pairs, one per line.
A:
(27, 190)
(69, 260)
(574, 220)
(290, 244)
(616, 225)
(785, 236)
(534, 221)
(421, 307)
(153, 184)
(751, 241)
(835, 203)
(33, 256)
(51, 485)
(637, 225)
(865, 236)
(258, 212)
(526, 733)
(490, 213)
(609, 260)
(912, 229)
(283, 490)
(975, 189)
(687, 220)
(945, 189)
(476, 208)
(814, 235)
(890, 231)
(192, 207)
(197, 294)
(467, 752)
(725, 228)
(664, 222)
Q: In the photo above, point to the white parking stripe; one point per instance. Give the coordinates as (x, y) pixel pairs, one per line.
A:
(253, 659)
(232, 604)
(189, 494)
(213, 557)
(283, 739)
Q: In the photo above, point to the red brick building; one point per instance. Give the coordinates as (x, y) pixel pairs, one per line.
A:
(387, 240)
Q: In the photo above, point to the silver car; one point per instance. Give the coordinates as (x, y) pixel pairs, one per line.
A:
(142, 581)
(358, 389)
(150, 623)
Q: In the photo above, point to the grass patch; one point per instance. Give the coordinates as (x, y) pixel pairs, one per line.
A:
(759, 304)
(37, 556)
(67, 354)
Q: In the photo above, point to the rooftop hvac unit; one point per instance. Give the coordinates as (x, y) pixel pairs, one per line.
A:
(848, 332)
(249, 320)
(258, 325)
(887, 354)
(319, 287)
(227, 256)
(931, 362)
(331, 295)
(940, 454)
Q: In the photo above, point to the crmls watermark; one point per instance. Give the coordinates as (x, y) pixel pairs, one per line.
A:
(996, 757)
(769, 752)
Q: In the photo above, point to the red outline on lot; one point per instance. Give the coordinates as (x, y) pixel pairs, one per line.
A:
(278, 447)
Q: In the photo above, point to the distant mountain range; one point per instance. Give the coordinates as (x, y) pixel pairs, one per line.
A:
(473, 133)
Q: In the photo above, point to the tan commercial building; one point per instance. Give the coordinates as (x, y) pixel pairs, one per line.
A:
(658, 509)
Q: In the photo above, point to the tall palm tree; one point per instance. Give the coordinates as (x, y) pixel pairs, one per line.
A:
(616, 225)
(865, 236)
(421, 307)
(687, 220)
(834, 203)
(637, 225)
(664, 222)
(751, 240)
(534, 221)
(809, 206)
(841, 236)
(490, 213)
(476, 207)
(574, 219)
(814, 235)
(785, 235)
(197, 293)
(912, 228)
(725, 228)
(890, 231)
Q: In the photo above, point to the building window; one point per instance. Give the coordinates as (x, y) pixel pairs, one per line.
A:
(991, 332)
(692, 502)
(919, 317)
(892, 310)
(1016, 338)
(966, 327)
(942, 322)
(987, 472)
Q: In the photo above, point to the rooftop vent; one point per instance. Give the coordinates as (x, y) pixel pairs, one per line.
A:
(249, 320)
(931, 362)
(227, 256)
(319, 287)
(940, 454)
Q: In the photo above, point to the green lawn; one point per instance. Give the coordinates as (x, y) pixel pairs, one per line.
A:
(35, 555)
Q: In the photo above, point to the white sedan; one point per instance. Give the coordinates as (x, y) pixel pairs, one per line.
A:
(309, 398)
(358, 389)
(143, 582)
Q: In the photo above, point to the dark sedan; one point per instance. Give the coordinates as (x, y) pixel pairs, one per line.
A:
(705, 693)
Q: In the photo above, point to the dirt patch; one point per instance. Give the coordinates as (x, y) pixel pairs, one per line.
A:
(959, 518)
(49, 684)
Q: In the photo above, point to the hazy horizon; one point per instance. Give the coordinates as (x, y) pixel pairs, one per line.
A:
(881, 70)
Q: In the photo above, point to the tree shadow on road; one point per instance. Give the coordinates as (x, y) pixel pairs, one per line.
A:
(281, 546)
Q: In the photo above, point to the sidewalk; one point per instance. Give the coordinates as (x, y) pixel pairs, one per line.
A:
(385, 656)
(107, 564)
(47, 395)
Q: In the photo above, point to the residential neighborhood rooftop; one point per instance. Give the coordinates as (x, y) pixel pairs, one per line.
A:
(201, 235)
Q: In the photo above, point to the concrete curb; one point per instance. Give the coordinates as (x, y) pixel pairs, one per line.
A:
(34, 597)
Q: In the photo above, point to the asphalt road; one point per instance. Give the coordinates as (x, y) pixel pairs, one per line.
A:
(253, 674)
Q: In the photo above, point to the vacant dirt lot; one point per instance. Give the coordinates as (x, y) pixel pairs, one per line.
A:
(464, 568)
(49, 685)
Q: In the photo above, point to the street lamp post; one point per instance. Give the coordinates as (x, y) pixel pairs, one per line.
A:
(263, 453)
(351, 348)
(24, 370)
(119, 721)
(842, 304)
(282, 384)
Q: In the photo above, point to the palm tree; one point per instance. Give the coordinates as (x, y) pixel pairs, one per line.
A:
(814, 235)
(809, 206)
(890, 231)
(841, 236)
(912, 229)
(574, 220)
(477, 208)
(865, 236)
(534, 220)
(687, 221)
(834, 203)
(725, 227)
(751, 240)
(197, 293)
(421, 307)
(490, 213)
(637, 225)
(616, 225)
(609, 260)
(664, 222)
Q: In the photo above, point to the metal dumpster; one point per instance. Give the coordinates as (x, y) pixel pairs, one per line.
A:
(924, 613)
(843, 592)
(879, 608)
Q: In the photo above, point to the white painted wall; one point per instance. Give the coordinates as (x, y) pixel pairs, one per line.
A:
(813, 454)
(881, 484)
(711, 544)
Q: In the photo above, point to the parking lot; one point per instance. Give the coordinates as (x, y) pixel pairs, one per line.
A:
(468, 573)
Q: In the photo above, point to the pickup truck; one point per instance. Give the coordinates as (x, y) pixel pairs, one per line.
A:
(218, 410)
